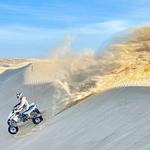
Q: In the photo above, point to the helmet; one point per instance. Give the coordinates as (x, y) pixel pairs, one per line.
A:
(19, 95)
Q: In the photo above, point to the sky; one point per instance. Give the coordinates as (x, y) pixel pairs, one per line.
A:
(33, 28)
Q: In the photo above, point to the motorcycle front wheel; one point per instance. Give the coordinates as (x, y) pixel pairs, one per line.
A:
(13, 129)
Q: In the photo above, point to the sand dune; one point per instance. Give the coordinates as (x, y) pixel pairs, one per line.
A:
(115, 88)
(116, 119)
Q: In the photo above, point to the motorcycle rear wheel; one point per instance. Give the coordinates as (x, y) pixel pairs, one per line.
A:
(37, 120)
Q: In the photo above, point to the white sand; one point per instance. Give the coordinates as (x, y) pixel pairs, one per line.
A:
(118, 119)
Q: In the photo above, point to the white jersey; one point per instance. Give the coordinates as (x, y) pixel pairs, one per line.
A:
(23, 103)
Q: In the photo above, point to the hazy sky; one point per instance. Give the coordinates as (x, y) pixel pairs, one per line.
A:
(34, 27)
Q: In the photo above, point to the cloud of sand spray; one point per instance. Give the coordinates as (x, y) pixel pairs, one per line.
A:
(77, 76)
(74, 76)
(63, 50)
(71, 64)
(125, 63)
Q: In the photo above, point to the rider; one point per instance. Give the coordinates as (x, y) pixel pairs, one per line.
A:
(23, 104)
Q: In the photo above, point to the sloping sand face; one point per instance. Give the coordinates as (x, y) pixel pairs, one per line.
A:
(116, 119)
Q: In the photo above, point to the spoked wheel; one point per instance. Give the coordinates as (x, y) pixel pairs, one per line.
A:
(13, 129)
(37, 120)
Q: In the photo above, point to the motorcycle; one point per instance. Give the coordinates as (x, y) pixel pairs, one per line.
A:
(15, 118)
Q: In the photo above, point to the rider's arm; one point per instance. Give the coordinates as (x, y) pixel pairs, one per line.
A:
(17, 105)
